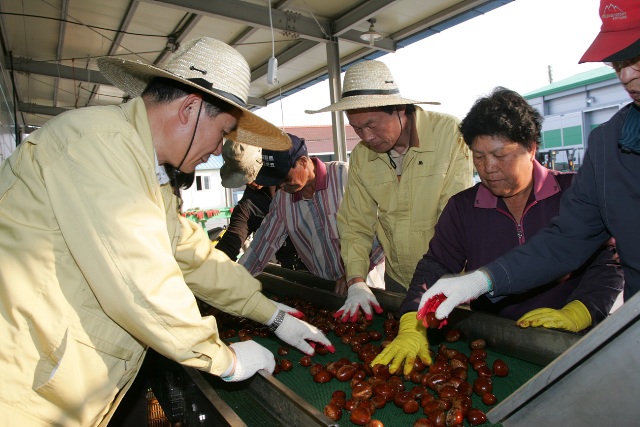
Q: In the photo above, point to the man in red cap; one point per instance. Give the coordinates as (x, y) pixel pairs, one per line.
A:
(604, 200)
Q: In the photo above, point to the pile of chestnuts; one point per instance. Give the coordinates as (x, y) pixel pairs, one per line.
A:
(440, 394)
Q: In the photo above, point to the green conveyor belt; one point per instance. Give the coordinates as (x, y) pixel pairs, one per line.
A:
(301, 382)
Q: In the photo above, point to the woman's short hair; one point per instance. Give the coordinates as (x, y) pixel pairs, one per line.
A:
(506, 114)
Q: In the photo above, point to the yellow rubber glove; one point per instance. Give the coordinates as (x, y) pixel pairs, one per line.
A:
(410, 343)
(572, 317)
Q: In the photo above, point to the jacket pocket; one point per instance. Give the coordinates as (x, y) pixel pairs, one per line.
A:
(79, 379)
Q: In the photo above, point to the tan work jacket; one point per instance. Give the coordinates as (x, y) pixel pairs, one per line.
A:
(402, 212)
(96, 264)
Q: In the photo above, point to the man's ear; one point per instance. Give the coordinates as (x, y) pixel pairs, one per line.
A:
(189, 108)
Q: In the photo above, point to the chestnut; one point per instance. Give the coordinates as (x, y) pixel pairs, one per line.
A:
(305, 361)
(410, 407)
(359, 374)
(422, 422)
(500, 368)
(315, 368)
(484, 371)
(345, 373)
(375, 335)
(379, 401)
(339, 393)
(362, 391)
(322, 376)
(452, 335)
(401, 398)
(321, 349)
(489, 399)
(333, 412)
(283, 351)
(477, 344)
(338, 401)
(286, 365)
(360, 416)
(482, 385)
(432, 320)
(385, 390)
(476, 417)
(375, 423)
(380, 370)
(438, 418)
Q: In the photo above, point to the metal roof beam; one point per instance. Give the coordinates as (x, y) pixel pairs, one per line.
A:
(56, 70)
(251, 30)
(448, 13)
(361, 13)
(253, 15)
(30, 108)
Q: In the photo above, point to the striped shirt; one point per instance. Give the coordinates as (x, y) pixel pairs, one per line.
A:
(310, 223)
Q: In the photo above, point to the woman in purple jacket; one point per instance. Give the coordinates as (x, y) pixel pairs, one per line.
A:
(516, 198)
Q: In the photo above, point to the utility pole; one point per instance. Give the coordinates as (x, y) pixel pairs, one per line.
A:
(550, 74)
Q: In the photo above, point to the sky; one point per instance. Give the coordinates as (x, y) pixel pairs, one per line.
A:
(511, 46)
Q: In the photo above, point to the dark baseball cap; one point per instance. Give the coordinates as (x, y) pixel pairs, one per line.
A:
(277, 164)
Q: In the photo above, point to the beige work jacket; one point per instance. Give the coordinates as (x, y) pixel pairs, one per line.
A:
(402, 212)
(96, 265)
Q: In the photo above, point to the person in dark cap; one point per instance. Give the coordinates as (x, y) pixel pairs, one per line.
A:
(241, 166)
(96, 263)
(304, 210)
(603, 201)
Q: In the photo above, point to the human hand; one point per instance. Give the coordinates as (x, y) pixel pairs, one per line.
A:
(458, 289)
(250, 357)
(358, 296)
(341, 286)
(572, 317)
(296, 333)
(290, 310)
(411, 342)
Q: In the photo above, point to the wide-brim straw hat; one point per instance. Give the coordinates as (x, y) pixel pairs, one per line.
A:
(242, 163)
(212, 67)
(368, 84)
(620, 29)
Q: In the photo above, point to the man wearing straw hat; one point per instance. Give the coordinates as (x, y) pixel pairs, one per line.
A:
(401, 175)
(242, 163)
(97, 265)
(603, 201)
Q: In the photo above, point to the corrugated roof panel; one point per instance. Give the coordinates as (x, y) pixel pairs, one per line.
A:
(583, 79)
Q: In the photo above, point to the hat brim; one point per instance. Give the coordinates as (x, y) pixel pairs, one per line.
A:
(368, 101)
(132, 77)
(232, 178)
(269, 177)
(609, 43)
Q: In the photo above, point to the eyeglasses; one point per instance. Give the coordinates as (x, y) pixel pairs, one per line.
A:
(619, 65)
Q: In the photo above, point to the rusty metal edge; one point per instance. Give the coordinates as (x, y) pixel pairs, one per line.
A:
(289, 408)
(226, 414)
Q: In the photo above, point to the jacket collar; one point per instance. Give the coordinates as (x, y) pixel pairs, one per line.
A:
(545, 185)
(425, 133)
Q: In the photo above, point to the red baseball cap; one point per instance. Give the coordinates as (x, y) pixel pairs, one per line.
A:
(620, 29)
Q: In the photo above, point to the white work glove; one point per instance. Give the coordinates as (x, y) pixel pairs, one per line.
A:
(358, 296)
(458, 289)
(296, 332)
(292, 311)
(250, 357)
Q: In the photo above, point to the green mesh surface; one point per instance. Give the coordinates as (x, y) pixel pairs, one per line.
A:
(301, 382)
